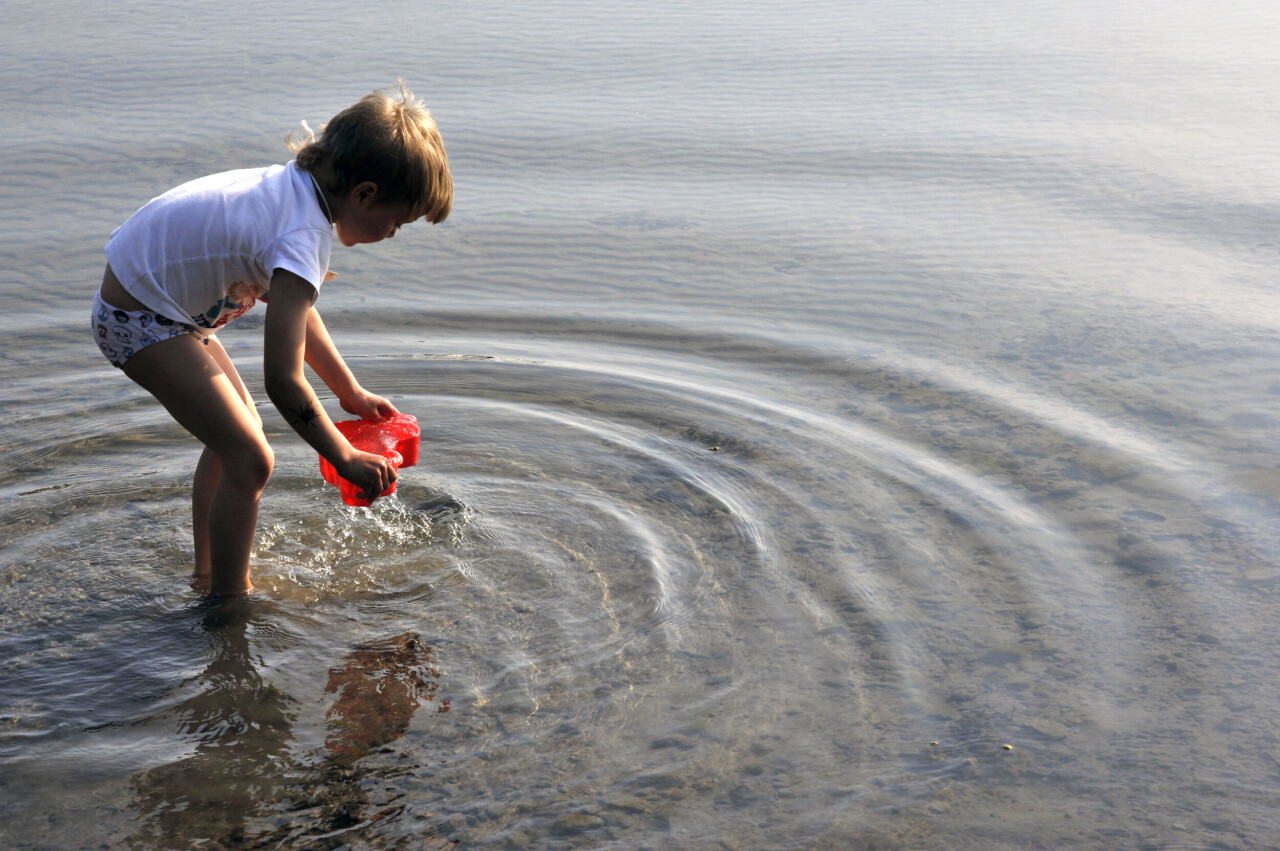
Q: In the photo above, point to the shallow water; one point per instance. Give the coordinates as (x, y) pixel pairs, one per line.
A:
(848, 425)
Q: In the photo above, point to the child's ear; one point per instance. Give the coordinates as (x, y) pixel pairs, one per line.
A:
(365, 192)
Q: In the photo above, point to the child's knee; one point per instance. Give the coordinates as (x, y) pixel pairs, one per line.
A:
(250, 465)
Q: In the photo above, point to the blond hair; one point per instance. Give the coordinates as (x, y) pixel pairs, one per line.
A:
(391, 141)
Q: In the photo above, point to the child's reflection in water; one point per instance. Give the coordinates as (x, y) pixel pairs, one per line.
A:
(240, 726)
(379, 686)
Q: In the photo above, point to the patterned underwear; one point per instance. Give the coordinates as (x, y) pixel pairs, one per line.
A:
(121, 334)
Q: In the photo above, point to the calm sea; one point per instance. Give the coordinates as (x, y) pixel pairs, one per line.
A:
(845, 425)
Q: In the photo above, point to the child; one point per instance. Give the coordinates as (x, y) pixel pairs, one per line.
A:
(202, 254)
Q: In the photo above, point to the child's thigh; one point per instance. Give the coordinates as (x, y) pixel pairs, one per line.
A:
(198, 391)
(219, 354)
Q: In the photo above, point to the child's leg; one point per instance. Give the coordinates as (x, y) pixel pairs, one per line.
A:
(202, 391)
(209, 469)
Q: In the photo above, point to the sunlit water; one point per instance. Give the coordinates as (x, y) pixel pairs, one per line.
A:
(844, 425)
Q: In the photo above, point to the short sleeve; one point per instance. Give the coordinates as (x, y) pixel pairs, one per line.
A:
(304, 252)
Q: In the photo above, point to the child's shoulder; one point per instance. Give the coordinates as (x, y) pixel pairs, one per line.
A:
(236, 180)
(243, 207)
(275, 187)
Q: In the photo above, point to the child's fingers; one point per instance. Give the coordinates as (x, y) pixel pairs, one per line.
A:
(383, 408)
(382, 476)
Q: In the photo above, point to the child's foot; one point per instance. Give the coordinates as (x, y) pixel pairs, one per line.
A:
(202, 584)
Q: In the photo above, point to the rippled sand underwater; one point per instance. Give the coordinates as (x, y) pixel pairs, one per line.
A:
(849, 427)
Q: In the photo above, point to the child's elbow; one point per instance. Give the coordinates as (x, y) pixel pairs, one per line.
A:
(280, 386)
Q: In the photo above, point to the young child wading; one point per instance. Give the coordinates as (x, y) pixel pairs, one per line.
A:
(202, 254)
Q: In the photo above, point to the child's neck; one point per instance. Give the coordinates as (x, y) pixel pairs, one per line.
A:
(324, 178)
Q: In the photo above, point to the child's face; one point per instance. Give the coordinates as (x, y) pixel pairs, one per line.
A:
(363, 220)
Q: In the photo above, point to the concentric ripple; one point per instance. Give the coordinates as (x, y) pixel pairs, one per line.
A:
(661, 581)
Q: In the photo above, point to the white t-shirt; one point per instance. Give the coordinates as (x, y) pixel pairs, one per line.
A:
(203, 253)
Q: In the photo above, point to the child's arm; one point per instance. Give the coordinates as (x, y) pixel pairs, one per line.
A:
(288, 324)
(322, 356)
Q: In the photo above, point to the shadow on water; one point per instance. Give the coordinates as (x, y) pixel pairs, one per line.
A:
(243, 785)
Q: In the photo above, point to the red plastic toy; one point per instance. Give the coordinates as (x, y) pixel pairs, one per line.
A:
(395, 438)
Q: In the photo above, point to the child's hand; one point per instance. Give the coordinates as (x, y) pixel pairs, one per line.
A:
(373, 474)
(367, 406)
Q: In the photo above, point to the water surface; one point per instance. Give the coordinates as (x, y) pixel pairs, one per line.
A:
(846, 425)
